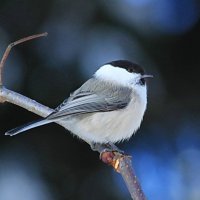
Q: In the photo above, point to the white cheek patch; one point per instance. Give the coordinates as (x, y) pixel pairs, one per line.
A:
(135, 79)
(117, 75)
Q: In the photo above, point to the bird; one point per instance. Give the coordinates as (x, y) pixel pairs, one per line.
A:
(108, 108)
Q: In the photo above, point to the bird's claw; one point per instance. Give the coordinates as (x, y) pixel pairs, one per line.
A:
(107, 151)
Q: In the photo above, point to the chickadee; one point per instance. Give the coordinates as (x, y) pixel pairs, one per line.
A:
(107, 108)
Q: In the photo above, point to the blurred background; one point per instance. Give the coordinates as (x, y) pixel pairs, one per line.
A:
(48, 163)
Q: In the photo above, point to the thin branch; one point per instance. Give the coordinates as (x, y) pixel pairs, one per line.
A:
(7, 51)
(120, 162)
(24, 102)
(123, 165)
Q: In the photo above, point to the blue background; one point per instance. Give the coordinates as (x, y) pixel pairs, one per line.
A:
(49, 163)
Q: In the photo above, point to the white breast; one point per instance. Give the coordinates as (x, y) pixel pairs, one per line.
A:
(111, 126)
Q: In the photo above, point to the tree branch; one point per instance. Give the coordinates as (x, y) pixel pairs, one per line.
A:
(24, 102)
(120, 162)
(8, 49)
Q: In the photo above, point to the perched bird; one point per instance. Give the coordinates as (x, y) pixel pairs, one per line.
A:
(107, 108)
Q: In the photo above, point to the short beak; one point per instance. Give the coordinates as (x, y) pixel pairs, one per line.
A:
(147, 76)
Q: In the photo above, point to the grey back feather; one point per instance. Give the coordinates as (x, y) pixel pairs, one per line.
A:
(93, 96)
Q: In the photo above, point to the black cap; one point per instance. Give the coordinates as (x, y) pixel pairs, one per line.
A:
(129, 66)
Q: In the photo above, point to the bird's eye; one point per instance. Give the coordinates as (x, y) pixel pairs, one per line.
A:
(142, 81)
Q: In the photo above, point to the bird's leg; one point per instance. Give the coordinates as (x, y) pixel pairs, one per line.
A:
(113, 147)
(107, 147)
(107, 151)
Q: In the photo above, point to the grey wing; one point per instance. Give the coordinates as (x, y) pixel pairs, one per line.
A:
(86, 102)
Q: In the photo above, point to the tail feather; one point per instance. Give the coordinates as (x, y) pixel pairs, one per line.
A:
(27, 126)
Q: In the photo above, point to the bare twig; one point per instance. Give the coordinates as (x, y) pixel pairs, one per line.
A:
(120, 162)
(24, 102)
(7, 51)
